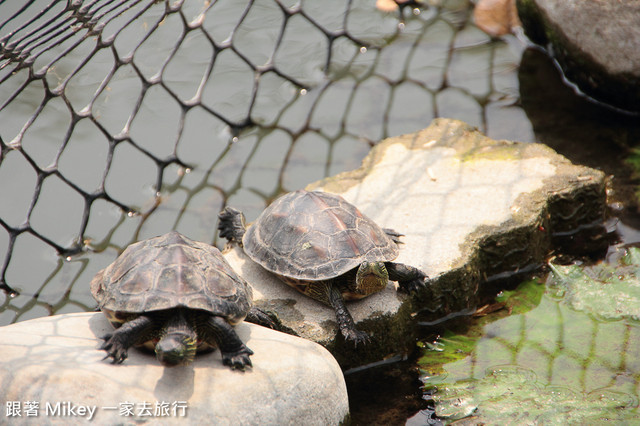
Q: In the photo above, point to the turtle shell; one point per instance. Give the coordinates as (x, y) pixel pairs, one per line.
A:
(312, 236)
(171, 271)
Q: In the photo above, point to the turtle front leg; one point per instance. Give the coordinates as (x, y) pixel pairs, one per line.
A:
(136, 331)
(217, 332)
(232, 224)
(345, 321)
(409, 278)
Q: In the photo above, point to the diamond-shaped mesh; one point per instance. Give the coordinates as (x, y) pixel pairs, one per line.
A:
(124, 119)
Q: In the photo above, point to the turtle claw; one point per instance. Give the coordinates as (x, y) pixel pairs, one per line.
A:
(115, 349)
(238, 360)
(356, 336)
(395, 235)
(231, 225)
(260, 317)
(414, 285)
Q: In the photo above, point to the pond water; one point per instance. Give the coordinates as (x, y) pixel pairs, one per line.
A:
(170, 110)
(543, 359)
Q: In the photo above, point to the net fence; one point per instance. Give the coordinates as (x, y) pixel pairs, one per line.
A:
(124, 119)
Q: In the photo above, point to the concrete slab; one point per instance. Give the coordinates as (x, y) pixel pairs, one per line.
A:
(471, 208)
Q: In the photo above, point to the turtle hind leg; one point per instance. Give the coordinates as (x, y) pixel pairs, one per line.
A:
(136, 331)
(232, 224)
(395, 235)
(265, 319)
(234, 353)
(409, 278)
(345, 321)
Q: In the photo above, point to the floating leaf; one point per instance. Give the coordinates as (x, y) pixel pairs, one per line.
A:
(524, 298)
(496, 17)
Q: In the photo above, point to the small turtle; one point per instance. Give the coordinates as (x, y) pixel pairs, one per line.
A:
(324, 247)
(175, 296)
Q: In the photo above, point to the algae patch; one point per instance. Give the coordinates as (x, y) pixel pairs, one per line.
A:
(610, 291)
(539, 360)
(511, 394)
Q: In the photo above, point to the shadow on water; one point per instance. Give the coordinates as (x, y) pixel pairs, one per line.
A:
(385, 394)
(583, 131)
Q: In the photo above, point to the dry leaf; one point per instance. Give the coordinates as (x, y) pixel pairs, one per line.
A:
(489, 308)
(386, 5)
(390, 5)
(496, 17)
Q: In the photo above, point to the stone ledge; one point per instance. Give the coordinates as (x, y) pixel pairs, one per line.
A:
(470, 208)
(55, 359)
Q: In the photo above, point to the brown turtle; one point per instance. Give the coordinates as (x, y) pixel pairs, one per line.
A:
(324, 247)
(175, 296)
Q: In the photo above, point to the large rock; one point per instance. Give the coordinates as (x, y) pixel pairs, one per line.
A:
(471, 209)
(54, 360)
(595, 43)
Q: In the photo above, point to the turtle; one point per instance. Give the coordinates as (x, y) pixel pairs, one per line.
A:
(324, 247)
(175, 296)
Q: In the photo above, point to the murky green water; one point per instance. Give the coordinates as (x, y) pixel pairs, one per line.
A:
(174, 111)
(540, 360)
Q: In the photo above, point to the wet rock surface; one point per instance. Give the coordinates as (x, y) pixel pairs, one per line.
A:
(54, 361)
(470, 208)
(594, 42)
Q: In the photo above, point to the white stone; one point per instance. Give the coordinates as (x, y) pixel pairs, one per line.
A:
(55, 359)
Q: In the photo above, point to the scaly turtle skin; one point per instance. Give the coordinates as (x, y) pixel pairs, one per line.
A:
(176, 296)
(324, 247)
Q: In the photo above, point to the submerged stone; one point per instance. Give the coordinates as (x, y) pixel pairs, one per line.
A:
(51, 366)
(610, 291)
(470, 209)
(594, 42)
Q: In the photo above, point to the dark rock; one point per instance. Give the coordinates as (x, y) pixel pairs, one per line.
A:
(594, 42)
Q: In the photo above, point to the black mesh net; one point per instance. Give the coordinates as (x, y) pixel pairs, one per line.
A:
(124, 119)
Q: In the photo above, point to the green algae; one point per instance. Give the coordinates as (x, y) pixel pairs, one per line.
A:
(610, 291)
(550, 356)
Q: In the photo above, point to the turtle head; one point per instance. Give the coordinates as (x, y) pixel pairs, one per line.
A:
(371, 277)
(176, 348)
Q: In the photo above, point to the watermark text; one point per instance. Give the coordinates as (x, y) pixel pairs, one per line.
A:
(70, 409)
